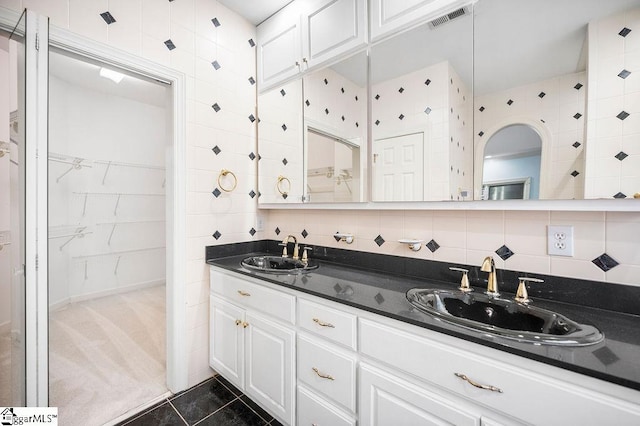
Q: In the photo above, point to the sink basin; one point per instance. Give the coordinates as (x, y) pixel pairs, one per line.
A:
(503, 318)
(277, 264)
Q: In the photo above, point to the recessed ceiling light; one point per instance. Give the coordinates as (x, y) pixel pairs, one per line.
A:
(114, 76)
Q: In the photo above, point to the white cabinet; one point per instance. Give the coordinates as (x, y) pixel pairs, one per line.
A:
(254, 351)
(304, 35)
(391, 16)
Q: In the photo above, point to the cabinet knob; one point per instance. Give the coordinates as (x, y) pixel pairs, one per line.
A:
(323, 376)
(323, 324)
(238, 322)
(243, 293)
(245, 324)
(478, 385)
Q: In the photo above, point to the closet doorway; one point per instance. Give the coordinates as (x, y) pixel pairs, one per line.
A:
(109, 130)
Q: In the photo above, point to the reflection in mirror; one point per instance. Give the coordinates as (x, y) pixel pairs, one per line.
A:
(570, 71)
(511, 168)
(422, 112)
(280, 133)
(335, 131)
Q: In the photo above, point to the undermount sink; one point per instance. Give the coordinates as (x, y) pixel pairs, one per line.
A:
(503, 318)
(277, 264)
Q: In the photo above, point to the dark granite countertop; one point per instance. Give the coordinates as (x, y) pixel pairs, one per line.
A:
(616, 359)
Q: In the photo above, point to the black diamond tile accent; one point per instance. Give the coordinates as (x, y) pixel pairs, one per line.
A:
(282, 92)
(252, 194)
(427, 82)
(337, 288)
(326, 111)
(379, 240)
(336, 237)
(284, 161)
(575, 173)
(427, 111)
(481, 109)
(377, 122)
(577, 116)
(377, 97)
(252, 80)
(481, 133)
(510, 102)
(252, 156)
(169, 44)
(623, 115)
(304, 280)
(620, 195)
(277, 231)
(379, 298)
(252, 43)
(216, 192)
(216, 150)
(504, 252)
(576, 144)
(578, 86)
(542, 120)
(217, 235)
(401, 116)
(108, 18)
(326, 81)
(401, 89)
(252, 118)
(357, 125)
(215, 22)
(624, 32)
(606, 356)
(624, 74)
(252, 232)
(304, 233)
(605, 262)
(356, 99)
(621, 155)
(216, 107)
(284, 127)
(259, 157)
(342, 89)
(433, 246)
(342, 118)
(307, 103)
(542, 95)
(285, 195)
(216, 65)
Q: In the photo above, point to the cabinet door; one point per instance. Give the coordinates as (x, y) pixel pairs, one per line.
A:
(279, 54)
(226, 345)
(270, 366)
(388, 400)
(333, 27)
(391, 16)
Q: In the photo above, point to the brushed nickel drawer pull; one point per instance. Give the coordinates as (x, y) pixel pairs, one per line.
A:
(243, 293)
(478, 385)
(324, 376)
(323, 324)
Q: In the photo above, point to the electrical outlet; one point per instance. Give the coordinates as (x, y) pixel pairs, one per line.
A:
(259, 222)
(560, 240)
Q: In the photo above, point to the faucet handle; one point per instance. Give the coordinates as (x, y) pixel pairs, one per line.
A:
(464, 281)
(284, 249)
(305, 257)
(521, 295)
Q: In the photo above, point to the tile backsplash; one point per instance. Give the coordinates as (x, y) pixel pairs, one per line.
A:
(466, 237)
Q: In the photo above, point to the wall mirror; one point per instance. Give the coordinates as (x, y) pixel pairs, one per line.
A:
(556, 89)
(421, 112)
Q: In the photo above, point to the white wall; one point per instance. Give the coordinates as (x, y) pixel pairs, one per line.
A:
(5, 214)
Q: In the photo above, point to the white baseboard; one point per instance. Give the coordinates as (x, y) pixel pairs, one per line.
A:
(109, 292)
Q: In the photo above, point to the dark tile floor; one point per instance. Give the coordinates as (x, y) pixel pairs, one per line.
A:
(212, 402)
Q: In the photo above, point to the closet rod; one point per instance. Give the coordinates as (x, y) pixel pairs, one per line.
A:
(119, 194)
(114, 253)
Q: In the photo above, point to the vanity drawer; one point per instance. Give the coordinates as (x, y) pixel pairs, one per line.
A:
(443, 365)
(254, 296)
(313, 411)
(328, 371)
(329, 323)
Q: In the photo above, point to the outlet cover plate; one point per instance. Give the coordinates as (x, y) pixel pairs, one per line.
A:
(560, 240)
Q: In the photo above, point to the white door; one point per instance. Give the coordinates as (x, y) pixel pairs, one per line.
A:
(226, 345)
(28, 139)
(270, 366)
(398, 168)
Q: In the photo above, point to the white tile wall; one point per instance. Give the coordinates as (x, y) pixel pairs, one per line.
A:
(142, 27)
(468, 236)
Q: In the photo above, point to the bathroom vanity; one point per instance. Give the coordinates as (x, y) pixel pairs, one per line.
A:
(341, 345)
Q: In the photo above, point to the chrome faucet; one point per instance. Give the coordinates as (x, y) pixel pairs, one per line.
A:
(295, 247)
(488, 265)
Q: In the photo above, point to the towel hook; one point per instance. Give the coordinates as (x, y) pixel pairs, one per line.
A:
(223, 173)
(279, 186)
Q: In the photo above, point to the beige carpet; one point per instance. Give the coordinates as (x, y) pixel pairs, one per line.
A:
(107, 356)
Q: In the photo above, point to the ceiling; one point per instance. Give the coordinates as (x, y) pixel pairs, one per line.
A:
(255, 11)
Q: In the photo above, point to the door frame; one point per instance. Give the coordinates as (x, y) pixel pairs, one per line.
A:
(177, 359)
